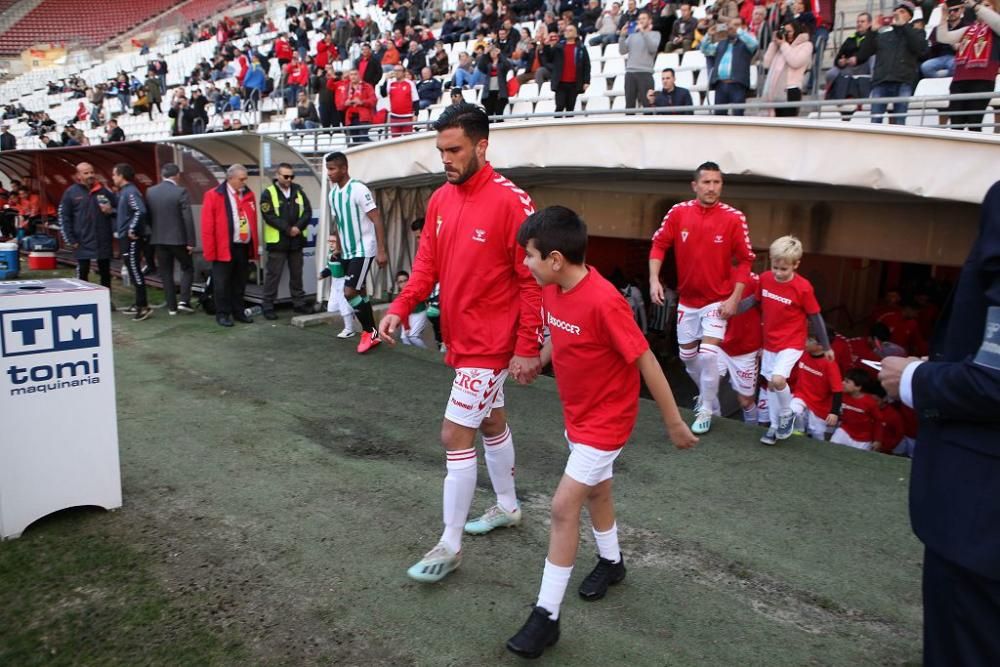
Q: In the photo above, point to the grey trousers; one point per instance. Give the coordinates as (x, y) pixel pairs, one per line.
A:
(276, 261)
(637, 84)
(165, 257)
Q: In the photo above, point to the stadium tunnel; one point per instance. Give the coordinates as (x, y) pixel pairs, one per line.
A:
(861, 198)
(203, 160)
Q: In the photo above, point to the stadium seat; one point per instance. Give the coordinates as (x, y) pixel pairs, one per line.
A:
(598, 103)
(521, 108)
(471, 95)
(545, 106)
(619, 102)
(613, 67)
(666, 61)
(528, 91)
(693, 60)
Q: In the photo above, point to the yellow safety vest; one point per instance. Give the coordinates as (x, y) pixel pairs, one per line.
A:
(271, 234)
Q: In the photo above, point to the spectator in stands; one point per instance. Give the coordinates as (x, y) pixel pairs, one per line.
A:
(466, 73)
(199, 106)
(589, 18)
(976, 63)
(141, 103)
(359, 105)
(440, 64)
(731, 47)
(368, 66)
(296, 74)
(456, 96)
(608, 26)
(682, 32)
(282, 50)
(307, 118)
(941, 55)
(123, 91)
(48, 141)
(415, 59)
(639, 48)
(428, 89)
(329, 115)
(570, 66)
(183, 116)
(670, 95)
(787, 57)
(494, 67)
(401, 93)
(254, 85)
(155, 94)
(8, 142)
(897, 48)
(841, 78)
(114, 133)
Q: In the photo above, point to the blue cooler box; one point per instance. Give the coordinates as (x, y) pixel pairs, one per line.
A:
(9, 263)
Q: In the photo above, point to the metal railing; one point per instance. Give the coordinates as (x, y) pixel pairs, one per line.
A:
(924, 112)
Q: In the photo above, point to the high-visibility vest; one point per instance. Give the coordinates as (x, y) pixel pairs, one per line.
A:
(271, 234)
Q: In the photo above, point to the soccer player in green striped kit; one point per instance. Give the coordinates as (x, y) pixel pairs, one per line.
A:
(360, 238)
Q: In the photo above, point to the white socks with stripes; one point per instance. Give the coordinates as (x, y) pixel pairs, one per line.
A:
(750, 415)
(555, 579)
(784, 399)
(459, 486)
(500, 464)
(690, 359)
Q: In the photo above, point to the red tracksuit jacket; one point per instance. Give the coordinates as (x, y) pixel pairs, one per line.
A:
(490, 303)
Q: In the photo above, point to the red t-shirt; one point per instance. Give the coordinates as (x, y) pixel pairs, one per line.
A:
(842, 353)
(861, 418)
(815, 380)
(784, 307)
(595, 344)
(743, 331)
(569, 64)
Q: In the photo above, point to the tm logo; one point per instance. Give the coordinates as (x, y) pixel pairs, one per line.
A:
(49, 329)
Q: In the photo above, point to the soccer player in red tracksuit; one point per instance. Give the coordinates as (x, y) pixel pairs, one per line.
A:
(490, 320)
(711, 245)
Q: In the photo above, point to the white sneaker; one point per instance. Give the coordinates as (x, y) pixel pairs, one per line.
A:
(346, 333)
(494, 517)
(436, 564)
(702, 421)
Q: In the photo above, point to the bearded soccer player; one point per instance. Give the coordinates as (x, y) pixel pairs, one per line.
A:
(711, 243)
(490, 321)
(359, 237)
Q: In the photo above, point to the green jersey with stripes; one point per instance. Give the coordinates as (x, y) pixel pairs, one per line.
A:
(350, 206)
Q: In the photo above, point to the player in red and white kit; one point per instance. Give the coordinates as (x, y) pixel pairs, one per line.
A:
(490, 321)
(740, 357)
(816, 390)
(711, 245)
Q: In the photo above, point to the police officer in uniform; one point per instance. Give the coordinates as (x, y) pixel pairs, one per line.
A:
(287, 213)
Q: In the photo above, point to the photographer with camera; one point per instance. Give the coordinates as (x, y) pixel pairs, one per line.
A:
(732, 47)
(639, 48)
(898, 48)
(786, 59)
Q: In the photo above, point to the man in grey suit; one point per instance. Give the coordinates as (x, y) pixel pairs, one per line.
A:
(173, 235)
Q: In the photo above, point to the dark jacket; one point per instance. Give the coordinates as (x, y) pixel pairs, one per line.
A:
(183, 120)
(503, 66)
(851, 45)
(8, 142)
(954, 499)
(742, 55)
(429, 90)
(898, 52)
(294, 211)
(83, 222)
(169, 209)
(132, 213)
(555, 58)
(678, 97)
(373, 72)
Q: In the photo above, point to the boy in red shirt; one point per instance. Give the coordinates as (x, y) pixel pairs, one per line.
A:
(787, 302)
(860, 417)
(817, 385)
(591, 327)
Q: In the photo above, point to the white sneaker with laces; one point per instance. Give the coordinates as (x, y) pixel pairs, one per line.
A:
(494, 517)
(436, 564)
(702, 421)
(346, 333)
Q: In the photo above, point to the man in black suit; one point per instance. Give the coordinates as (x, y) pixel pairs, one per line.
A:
(169, 209)
(955, 481)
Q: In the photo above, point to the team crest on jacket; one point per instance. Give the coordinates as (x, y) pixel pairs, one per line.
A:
(684, 235)
(265, 207)
(479, 235)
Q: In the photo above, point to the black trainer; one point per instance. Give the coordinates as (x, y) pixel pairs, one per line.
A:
(537, 634)
(605, 574)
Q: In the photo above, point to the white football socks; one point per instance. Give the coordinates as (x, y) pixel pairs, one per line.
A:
(555, 578)
(500, 464)
(784, 397)
(607, 544)
(708, 386)
(459, 486)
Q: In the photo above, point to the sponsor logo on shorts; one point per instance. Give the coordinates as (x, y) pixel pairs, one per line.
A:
(465, 406)
(468, 382)
(565, 326)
